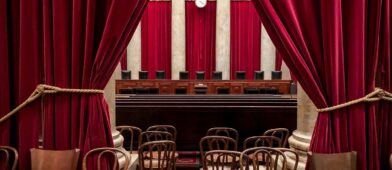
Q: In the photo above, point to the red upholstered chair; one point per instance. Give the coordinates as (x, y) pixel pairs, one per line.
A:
(10, 157)
(54, 159)
(336, 161)
(99, 152)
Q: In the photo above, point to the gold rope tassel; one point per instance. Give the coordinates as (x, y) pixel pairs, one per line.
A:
(47, 89)
(376, 95)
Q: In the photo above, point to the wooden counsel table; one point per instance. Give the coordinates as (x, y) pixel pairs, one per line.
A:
(211, 86)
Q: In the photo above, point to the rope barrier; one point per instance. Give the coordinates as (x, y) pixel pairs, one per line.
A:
(376, 95)
(47, 89)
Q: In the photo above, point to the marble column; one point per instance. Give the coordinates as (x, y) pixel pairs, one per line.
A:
(178, 38)
(223, 38)
(306, 118)
(267, 54)
(110, 96)
(134, 53)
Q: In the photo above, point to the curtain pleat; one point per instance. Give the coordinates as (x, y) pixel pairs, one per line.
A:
(156, 38)
(245, 39)
(200, 38)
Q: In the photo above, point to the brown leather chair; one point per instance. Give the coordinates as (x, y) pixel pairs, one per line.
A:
(164, 148)
(221, 160)
(104, 151)
(10, 157)
(282, 133)
(261, 141)
(54, 159)
(336, 161)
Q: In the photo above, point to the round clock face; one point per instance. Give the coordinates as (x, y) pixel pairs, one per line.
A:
(201, 3)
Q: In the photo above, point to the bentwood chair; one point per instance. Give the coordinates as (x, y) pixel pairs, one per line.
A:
(54, 159)
(258, 158)
(261, 141)
(221, 160)
(131, 134)
(165, 150)
(111, 154)
(336, 161)
(164, 128)
(223, 131)
(282, 133)
(209, 143)
(10, 157)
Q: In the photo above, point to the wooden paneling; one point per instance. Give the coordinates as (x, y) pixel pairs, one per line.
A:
(193, 115)
(236, 86)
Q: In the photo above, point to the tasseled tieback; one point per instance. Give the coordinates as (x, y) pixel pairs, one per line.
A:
(376, 95)
(47, 89)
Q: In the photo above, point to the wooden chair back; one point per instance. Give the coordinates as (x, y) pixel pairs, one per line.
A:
(209, 143)
(10, 157)
(133, 132)
(54, 159)
(165, 128)
(260, 141)
(256, 158)
(223, 131)
(282, 133)
(100, 152)
(221, 160)
(149, 136)
(336, 161)
(165, 149)
(292, 154)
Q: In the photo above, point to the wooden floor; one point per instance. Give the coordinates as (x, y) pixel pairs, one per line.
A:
(193, 115)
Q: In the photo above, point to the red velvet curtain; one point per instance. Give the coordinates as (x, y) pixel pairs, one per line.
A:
(278, 61)
(332, 47)
(200, 38)
(245, 33)
(156, 38)
(70, 44)
(124, 64)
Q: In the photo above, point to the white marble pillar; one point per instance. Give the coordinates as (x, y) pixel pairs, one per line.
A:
(285, 72)
(178, 38)
(306, 118)
(134, 53)
(267, 54)
(110, 96)
(223, 38)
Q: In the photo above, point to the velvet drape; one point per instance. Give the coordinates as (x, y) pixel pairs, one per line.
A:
(200, 38)
(70, 44)
(333, 47)
(278, 61)
(156, 38)
(245, 39)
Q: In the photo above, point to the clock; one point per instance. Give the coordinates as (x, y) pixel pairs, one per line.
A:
(201, 3)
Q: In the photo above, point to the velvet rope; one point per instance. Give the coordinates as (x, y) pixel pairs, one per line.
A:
(376, 95)
(47, 89)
